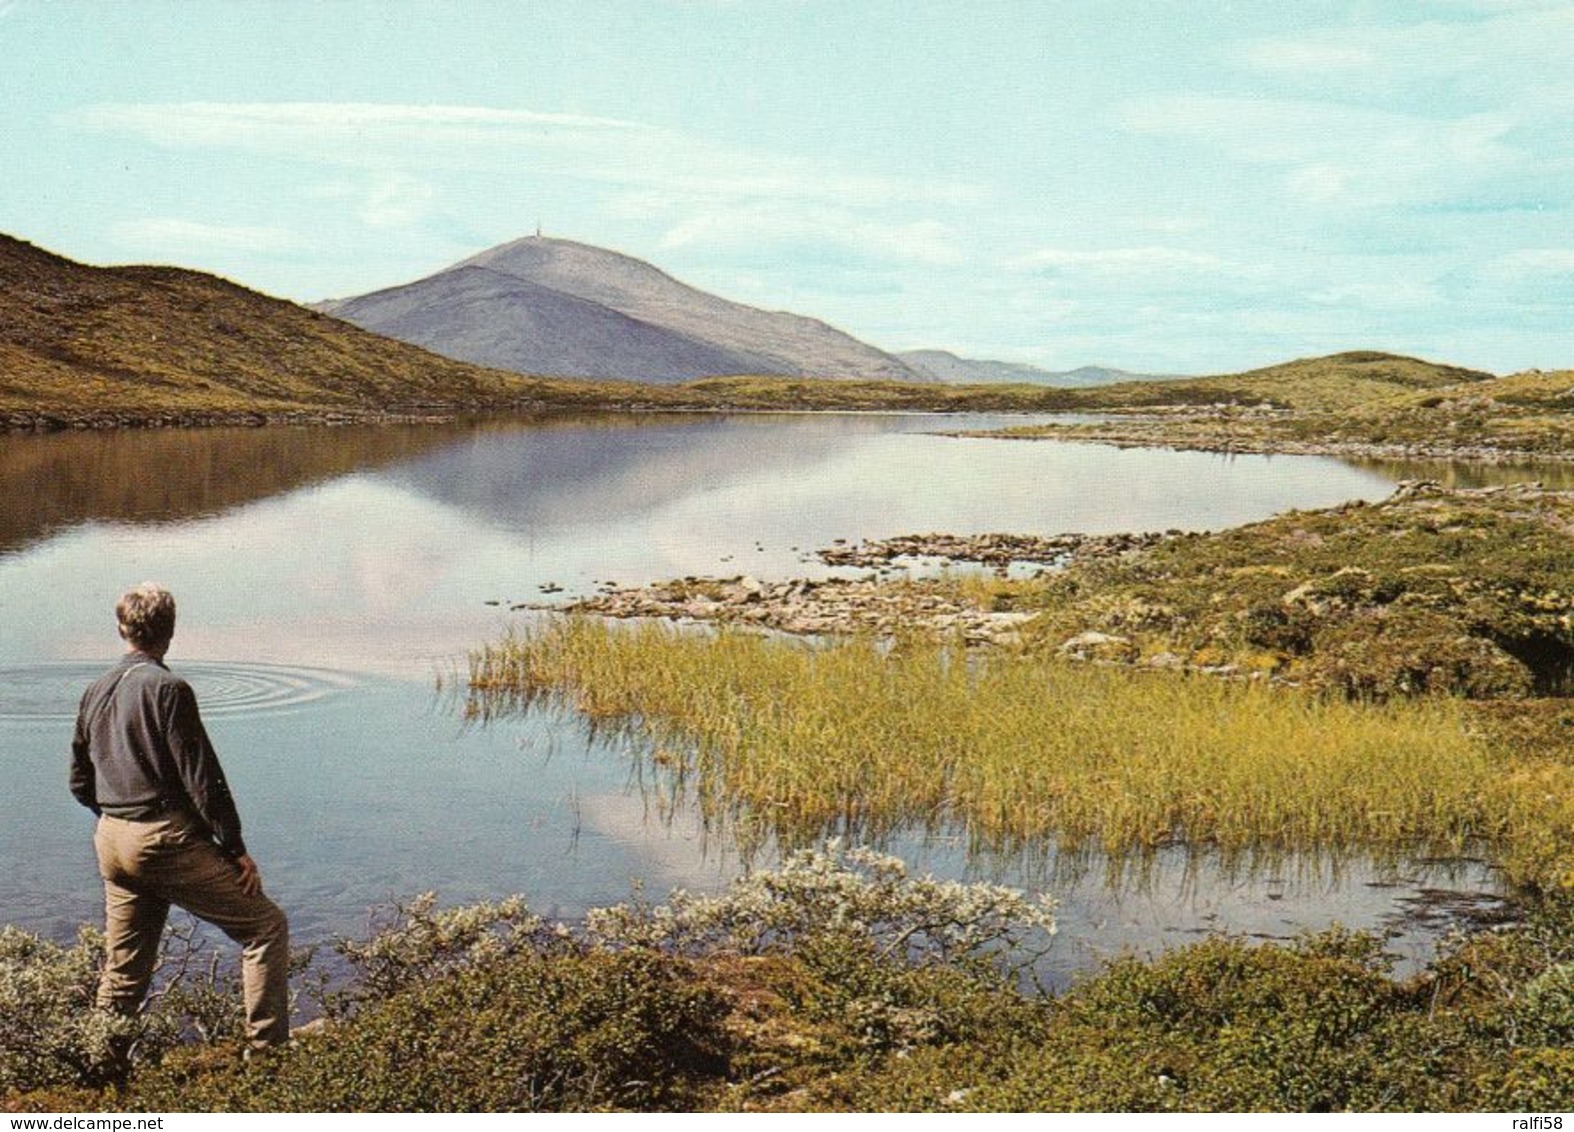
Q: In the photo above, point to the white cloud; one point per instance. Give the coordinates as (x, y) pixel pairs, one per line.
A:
(1294, 56)
(397, 201)
(1170, 225)
(613, 151)
(1318, 183)
(1333, 152)
(1535, 261)
(1501, 5)
(386, 201)
(170, 235)
(1511, 50)
(1397, 295)
(1143, 260)
(268, 124)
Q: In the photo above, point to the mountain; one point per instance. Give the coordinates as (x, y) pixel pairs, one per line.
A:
(942, 365)
(147, 342)
(560, 308)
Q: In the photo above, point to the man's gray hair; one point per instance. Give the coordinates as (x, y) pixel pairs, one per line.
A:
(147, 616)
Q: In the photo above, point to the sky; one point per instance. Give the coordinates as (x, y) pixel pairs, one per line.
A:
(1163, 186)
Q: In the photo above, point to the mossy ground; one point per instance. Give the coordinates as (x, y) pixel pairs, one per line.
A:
(1431, 591)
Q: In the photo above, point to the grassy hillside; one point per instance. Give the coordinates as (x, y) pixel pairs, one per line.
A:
(125, 345)
(1350, 404)
(1452, 592)
(766, 393)
(143, 342)
(1524, 412)
(1332, 383)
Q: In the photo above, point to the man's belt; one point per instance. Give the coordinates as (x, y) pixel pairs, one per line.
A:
(155, 810)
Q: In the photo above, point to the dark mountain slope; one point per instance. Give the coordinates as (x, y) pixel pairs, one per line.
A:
(494, 319)
(668, 331)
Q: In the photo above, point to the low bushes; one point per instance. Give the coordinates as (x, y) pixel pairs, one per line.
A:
(527, 1032)
(838, 983)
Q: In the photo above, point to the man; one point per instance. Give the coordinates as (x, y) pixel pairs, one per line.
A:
(168, 832)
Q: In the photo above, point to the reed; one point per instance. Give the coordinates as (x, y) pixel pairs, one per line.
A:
(855, 737)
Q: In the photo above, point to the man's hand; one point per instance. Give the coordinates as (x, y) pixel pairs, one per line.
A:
(250, 876)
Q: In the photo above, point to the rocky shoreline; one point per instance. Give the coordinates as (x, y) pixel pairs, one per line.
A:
(868, 604)
(46, 421)
(1385, 615)
(1231, 436)
(1000, 551)
(805, 607)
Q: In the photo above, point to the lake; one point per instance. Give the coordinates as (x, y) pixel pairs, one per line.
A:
(329, 579)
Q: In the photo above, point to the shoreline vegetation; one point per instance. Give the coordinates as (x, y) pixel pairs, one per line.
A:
(835, 982)
(1376, 679)
(1283, 686)
(1385, 680)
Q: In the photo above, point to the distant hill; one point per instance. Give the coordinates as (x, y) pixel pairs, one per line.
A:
(1337, 382)
(942, 365)
(144, 342)
(556, 307)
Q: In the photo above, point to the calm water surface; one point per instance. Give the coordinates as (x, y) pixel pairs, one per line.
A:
(327, 578)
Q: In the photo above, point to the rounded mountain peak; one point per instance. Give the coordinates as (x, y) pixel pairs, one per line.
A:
(543, 259)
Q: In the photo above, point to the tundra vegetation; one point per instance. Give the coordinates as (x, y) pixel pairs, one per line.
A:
(835, 982)
(1362, 404)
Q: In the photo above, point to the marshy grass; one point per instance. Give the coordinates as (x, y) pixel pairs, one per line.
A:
(798, 741)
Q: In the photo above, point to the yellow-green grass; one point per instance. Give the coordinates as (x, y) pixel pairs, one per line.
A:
(796, 741)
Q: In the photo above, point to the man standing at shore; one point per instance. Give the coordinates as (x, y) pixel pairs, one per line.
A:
(168, 831)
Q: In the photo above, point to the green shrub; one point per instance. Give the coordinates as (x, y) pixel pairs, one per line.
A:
(523, 1032)
(52, 1035)
(1537, 1080)
(1544, 1010)
(1219, 1026)
(846, 895)
(893, 961)
(418, 942)
(838, 983)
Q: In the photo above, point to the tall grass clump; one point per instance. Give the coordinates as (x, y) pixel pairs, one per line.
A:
(856, 737)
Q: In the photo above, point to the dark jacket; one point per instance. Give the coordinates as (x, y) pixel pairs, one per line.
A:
(140, 748)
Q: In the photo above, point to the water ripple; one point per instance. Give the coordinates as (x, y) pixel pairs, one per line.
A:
(50, 691)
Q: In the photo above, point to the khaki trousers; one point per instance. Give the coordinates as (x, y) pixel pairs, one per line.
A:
(149, 865)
